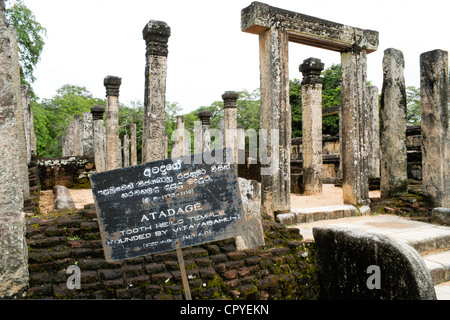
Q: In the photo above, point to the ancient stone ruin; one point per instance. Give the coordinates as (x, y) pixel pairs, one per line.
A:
(269, 261)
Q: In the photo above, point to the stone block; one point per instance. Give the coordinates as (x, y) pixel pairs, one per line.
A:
(63, 200)
(13, 254)
(251, 202)
(286, 218)
(345, 256)
(441, 216)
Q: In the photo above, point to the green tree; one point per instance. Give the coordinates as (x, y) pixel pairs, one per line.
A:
(52, 117)
(413, 116)
(331, 97)
(30, 38)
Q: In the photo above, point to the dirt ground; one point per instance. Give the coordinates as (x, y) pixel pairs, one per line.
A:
(331, 195)
(81, 197)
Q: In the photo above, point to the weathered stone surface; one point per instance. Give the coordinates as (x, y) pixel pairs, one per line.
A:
(13, 254)
(441, 216)
(312, 125)
(275, 119)
(205, 118)
(154, 141)
(99, 146)
(19, 113)
(373, 132)
(251, 203)
(394, 173)
(11, 186)
(345, 255)
(308, 30)
(435, 116)
(112, 146)
(181, 145)
(230, 122)
(355, 182)
(133, 145)
(87, 135)
(126, 151)
(63, 200)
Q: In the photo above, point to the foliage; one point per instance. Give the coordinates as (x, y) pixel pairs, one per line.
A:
(30, 38)
(331, 97)
(413, 116)
(52, 117)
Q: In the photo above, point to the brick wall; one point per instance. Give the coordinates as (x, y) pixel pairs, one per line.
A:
(284, 269)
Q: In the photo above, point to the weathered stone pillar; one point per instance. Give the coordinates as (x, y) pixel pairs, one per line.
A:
(312, 125)
(205, 118)
(99, 138)
(133, 145)
(355, 183)
(394, 165)
(15, 73)
(87, 137)
(181, 144)
(27, 119)
(275, 116)
(13, 248)
(154, 141)
(76, 135)
(230, 122)
(126, 151)
(113, 151)
(435, 116)
(373, 132)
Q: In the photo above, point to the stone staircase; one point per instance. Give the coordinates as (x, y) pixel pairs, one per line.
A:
(432, 241)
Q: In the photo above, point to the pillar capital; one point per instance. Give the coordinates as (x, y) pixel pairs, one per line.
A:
(156, 35)
(230, 99)
(97, 112)
(311, 69)
(205, 117)
(112, 85)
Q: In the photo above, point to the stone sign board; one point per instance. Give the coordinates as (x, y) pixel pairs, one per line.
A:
(161, 205)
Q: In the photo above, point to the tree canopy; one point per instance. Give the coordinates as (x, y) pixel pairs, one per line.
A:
(30, 38)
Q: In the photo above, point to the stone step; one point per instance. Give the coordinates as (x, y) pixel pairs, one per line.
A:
(438, 263)
(443, 291)
(309, 215)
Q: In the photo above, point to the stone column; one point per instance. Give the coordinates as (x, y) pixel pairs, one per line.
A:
(230, 122)
(19, 114)
(312, 125)
(394, 165)
(87, 138)
(13, 247)
(205, 118)
(99, 138)
(181, 144)
(126, 151)
(373, 132)
(76, 135)
(275, 117)
(435, 116)
(27, 119)
(113, 151)
(154, 142)
(133, 145)
(355, 183)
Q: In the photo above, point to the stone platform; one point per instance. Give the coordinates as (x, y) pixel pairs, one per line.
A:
(432, 241)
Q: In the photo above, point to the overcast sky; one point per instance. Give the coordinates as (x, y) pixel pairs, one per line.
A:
(208, 54)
